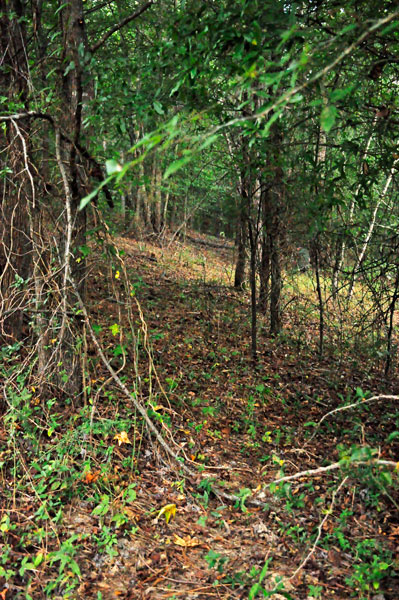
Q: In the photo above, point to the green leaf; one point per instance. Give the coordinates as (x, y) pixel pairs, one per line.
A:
(115, 329)
(112, 166)
(254, 591)
(69, 68)
(85, 250)
(328, 117)
(158, 107)
(176, 165)
(386, 477)
(393, 436)
(208, 142)
(342, 93)
(390, 27)
(73, 565)
(84, 201)
(38, 559)
(102, 508)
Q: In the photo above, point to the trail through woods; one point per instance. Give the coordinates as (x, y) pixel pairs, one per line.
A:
(240, 427)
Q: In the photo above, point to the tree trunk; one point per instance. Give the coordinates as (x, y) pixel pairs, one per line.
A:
(241, 236)
(69, 378)
(277, 193)
(157, 197)
(264, 268)
(16, 188)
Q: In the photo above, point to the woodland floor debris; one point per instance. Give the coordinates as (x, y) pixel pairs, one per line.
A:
(241, 425)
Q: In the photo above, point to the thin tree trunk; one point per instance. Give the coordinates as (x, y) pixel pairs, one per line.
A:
(275, 233)
(157, 197)
(239, 274)
(340, 257)
(264, 269)
(276, 282)
(252, 244)
(392, 307)
(319, 297)
(370, 231)
(16, 190)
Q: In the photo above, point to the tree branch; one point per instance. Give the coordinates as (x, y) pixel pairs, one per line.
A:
(96, 171)
(119, 25)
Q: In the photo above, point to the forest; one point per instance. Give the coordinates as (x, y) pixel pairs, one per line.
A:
(199, 285)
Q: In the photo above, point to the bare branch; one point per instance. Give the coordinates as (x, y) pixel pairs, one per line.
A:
(97, 170)
(354, 405)
(119, 25)
(333, 467)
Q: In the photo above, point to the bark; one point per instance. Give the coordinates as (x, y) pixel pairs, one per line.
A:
(391, 312)
(252, 243)
(241, 235)
(72, 25)
(157, 220)
(264, 268)
(143, 200)
(16, 191)
(275, 230)
(316, 253)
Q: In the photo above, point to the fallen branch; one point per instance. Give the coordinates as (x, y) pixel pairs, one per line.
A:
(334, 466)
(354, 405)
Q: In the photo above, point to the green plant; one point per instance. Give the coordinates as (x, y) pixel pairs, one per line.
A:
(315, 591)
(206, 486)
(68, 569)
(216, 561)
(257, 588)
(373, 564)
(242, 496)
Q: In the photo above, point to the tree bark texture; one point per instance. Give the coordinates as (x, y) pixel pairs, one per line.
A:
(15, 185)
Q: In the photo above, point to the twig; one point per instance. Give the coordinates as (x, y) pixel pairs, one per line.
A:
(319, 529)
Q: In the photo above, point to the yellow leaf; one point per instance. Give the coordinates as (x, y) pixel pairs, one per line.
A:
(186, 542)
(122, 438)
(117, 275)
(169, 510)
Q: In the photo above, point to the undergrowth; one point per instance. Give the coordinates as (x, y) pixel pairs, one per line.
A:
(84, 486)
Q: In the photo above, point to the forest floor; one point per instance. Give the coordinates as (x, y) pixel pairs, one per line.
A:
(103, 513)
